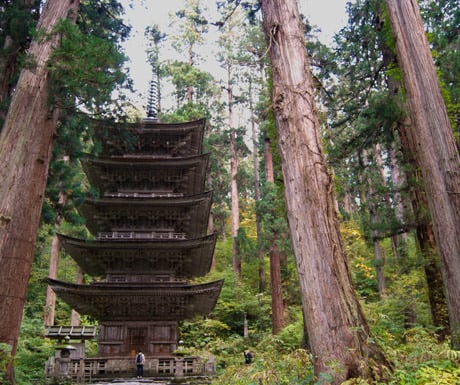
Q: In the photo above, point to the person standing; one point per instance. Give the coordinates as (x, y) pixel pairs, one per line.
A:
(140, 361)
(247, 356)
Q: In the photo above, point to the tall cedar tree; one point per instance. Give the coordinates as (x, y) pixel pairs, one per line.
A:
(434, 146)
(25, 151)
(337, 330)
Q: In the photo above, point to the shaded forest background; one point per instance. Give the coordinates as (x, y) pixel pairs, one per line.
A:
(384, 218)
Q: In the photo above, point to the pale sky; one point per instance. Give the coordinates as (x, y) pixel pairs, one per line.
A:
(328, 15)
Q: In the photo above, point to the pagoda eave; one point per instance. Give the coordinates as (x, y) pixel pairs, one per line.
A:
(177, 175)
(139, 302)
(188, 215)
(184, 258)
(174, 139)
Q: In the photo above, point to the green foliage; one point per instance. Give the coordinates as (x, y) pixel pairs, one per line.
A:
(360, 259)
(405, 306)
(183, 76)
(237, 302)
(33, 351)
(17, 23)
(192, 25)
(421, 360)
(84, 68)
(203, 334)
(269, 368)
(5, 359)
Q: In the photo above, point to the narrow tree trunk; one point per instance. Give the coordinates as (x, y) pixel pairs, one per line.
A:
(75, 316)
(211, 226)
(337, 330)
(375, 220)
(379, 261)
(235, 209)
(401, 241)
(25, 152)
(257, 195)
(274, 254)
(388, 201)
(50, 303)
(435, 146)
(190, 89)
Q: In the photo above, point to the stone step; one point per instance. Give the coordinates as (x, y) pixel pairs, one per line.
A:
(154, 381)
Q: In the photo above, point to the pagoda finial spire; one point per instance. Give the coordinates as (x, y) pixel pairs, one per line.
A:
(152, 100)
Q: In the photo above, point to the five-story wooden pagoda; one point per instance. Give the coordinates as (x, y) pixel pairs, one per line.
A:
(150, 239)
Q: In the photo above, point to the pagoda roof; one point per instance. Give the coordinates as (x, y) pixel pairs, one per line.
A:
(150, 137)
(173, 215)
(72, 332)
(183, 258)
(140, 302)
(185, 175)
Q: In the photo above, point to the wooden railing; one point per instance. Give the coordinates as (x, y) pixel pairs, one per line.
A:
(85, 370)
(139, 194)
(139, 235)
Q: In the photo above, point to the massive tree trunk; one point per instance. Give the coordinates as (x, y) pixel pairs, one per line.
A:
(424, 231)
(337, 330)
(425, 238)
(25, 152)
(435, 146)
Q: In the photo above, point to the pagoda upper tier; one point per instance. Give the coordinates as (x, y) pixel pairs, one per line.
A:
(180, 258)
(140, 302)
(148, 218)
(150, 138)
(125, 176)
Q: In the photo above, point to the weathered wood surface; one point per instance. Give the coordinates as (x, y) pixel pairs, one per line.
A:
(435, 148)
(336, 326)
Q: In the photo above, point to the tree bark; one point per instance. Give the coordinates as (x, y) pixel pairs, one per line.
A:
(337, 330)
(25, 152)
(50, 302)
(257, 194)
(235, 207)
(75, 316)
(425, 238)
(375, 220)
(435, 149)
(424, 231)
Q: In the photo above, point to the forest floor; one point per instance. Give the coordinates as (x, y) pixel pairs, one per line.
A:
(147, 380)
(133, 381)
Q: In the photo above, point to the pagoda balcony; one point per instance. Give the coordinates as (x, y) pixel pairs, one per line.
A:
(139, 302)
(135, 235)
(86, 370)
(157, 175)
(143, 194)
(185, 257)
(187, 215)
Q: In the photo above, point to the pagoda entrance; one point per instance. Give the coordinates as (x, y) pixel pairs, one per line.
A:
(149, 226)
(137, 339)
